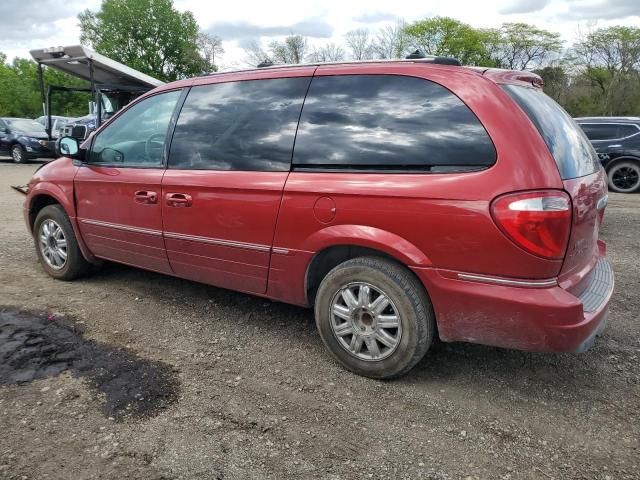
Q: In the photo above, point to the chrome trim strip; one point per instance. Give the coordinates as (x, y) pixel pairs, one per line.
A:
(192, 238)
(126, 228)
(506, 281)
(217, 241)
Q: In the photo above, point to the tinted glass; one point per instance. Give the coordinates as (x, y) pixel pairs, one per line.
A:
(137, 137)
(600, 131)
(389, 122)
(627, 130)
(248, 125)
(565, 139)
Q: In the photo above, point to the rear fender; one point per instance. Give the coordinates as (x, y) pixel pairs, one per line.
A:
(370, 237)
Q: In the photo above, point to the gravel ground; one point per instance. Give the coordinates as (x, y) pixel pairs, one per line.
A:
(258, 397)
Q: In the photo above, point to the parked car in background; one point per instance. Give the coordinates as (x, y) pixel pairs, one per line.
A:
(617, 141)
(420, 197)
(23, 138)
(57, 122)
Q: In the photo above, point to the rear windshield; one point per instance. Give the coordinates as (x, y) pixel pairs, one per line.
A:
(567, 142)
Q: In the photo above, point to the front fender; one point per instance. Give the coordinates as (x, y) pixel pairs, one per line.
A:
(370, 237)
(62, 194)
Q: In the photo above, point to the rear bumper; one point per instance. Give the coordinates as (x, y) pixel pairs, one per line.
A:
(543, 319)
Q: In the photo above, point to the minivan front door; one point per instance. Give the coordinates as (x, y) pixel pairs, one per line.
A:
(230, 158)
(118, 190)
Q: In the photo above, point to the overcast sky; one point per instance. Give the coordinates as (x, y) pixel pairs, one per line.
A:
(30, 24)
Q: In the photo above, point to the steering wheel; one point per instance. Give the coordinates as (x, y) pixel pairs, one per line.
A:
(152, 146)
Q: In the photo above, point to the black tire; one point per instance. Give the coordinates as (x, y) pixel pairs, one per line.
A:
(18, 153)
(75, 264)
(408, 297)
(624, 176)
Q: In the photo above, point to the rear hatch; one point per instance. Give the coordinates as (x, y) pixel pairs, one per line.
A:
(582, 176)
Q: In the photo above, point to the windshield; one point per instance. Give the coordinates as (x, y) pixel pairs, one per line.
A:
(25, 125)
(565, 139)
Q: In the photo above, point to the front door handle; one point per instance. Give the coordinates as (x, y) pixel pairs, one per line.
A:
(179, 200)
(143, 196)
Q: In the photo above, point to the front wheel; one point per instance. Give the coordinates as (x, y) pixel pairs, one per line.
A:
(375, 317)
(18, 154)
(56, 244)
(624, 177)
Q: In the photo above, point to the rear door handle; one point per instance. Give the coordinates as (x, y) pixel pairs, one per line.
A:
(143, 196)
(179, 200)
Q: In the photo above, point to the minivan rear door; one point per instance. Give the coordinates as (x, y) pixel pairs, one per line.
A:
(582, 175)
(229, 160)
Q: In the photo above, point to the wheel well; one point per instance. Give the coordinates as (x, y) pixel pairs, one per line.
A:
(37, 204)
(621, 159)
(325, 260)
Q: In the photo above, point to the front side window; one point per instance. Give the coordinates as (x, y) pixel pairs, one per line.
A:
(137, 137)
(388, 122)
(247, 125)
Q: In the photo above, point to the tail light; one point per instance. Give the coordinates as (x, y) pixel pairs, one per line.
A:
(537, 221)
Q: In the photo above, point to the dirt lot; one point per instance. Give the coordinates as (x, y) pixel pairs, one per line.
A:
(254, 395)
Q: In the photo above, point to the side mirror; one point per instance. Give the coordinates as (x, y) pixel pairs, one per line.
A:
(4, 130)
(68, 147)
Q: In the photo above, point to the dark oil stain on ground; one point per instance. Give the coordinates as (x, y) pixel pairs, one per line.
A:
(36, 345)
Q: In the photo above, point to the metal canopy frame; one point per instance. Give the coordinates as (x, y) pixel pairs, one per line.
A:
(102, 73)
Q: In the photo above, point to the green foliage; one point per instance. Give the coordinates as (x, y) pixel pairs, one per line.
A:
(519, 45)
(449, 37)
(20, 91)
(148, 35)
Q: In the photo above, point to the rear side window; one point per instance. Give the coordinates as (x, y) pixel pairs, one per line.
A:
(246, 125)
(566, 141)
(388, 122)
(600, 131)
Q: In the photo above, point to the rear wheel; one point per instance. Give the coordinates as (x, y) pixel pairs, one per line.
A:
(56, 244)
(374, 317)
(624, 177)
(18, 153)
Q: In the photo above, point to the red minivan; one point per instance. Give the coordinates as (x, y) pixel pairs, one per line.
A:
(401, 199)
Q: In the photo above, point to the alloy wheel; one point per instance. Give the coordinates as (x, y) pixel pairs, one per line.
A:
(365, 321)
(625, 177)
(53, 244)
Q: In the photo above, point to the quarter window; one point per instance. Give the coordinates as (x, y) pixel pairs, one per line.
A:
(137, 137)
(245, 125)
(627, 131)
(388, 122)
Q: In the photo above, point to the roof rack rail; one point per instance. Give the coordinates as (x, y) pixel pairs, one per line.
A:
(415, 55)
(267, 64)
(447, 61)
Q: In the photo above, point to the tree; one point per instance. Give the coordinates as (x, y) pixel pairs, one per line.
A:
(520, 45)
(614, 48)
(608, 60)
(329, 53)
(255, 53)
(148, 35)
(20, 91)
(292, 49)
(449, 37)
(359, 44)
(391, 42)
(211, 48)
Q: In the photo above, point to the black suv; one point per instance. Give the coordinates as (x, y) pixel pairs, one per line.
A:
(617, 141)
